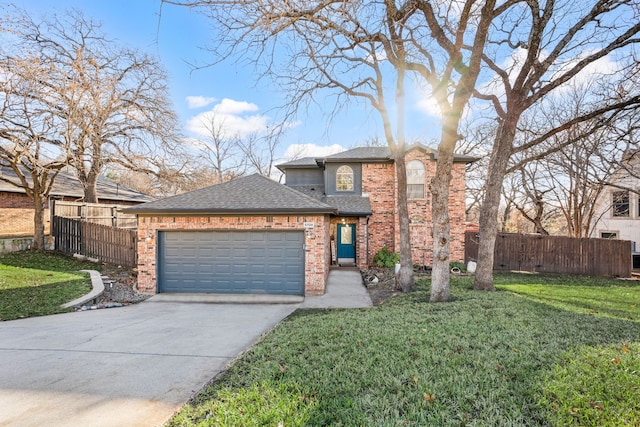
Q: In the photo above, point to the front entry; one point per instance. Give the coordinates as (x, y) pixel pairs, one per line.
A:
(346, 243)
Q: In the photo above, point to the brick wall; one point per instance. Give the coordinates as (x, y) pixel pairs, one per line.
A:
(15, 201)
(378, 181)
(316, 240)
(457, 208)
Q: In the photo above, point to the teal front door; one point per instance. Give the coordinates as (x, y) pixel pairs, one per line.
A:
(346, 243)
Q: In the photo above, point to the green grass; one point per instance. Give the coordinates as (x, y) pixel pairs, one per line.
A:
(596, 386)
(36, 284)
(484, 359)
(606, 297)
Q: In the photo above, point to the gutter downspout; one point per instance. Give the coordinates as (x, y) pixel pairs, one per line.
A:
(366, 239)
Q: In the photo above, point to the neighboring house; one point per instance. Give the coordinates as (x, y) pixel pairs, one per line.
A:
(617, 212)
(253, 235)
(16, 208)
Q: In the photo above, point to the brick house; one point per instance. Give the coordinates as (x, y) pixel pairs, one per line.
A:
(253, 235)
(16, 208)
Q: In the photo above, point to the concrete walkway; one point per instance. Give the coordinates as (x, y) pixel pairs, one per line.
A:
(344, 290)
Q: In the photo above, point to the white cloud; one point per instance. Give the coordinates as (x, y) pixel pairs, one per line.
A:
(234, 118)
(199, 101)
(230, 106)
(296, 151)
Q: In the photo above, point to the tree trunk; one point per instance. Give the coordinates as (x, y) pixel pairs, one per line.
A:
(38, 221)
(489, 210)
(405, 275)
(90, 188)
(440, 213)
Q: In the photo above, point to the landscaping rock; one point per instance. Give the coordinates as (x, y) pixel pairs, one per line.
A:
(381, 284)
(119, 286)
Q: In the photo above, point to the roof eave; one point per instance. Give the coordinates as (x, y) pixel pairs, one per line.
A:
(358, 214)
(181, 212)
(360, 160)
(283, 167)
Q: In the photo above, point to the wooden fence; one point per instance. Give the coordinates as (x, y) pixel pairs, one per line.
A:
(109, 244)
(556, 254)
(96, 213)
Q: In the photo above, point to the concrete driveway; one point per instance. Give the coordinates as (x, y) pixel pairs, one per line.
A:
(131, 366)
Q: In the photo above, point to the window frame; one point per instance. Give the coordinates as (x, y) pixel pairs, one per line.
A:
(416, 177)
(618, 204)
(345, 176)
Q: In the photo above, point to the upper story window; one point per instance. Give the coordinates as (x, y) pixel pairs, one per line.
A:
(620, 204)
(344, 179)
(415, 180)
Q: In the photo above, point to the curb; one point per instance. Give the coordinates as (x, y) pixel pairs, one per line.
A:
(97, 288)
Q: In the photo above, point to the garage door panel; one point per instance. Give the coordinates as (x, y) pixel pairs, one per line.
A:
(205, 252)
(256, 261)
(258, 252)
(257, 268)
(291, 252)
(240, 252)
(256, 237)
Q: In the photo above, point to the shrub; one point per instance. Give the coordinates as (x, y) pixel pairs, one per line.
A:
(385, 258)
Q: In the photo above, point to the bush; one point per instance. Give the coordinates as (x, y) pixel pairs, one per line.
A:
(385, 258)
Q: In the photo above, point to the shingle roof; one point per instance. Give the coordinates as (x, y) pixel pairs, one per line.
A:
(248, 194)
(346, 205)
(303, 162)
(362, 153)
(350, 205)
(366, 154)
(68, 185)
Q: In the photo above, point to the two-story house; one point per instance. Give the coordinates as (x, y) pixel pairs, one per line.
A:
(254, 235)
(617, 210)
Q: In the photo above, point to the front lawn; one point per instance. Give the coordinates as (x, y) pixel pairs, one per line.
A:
(36, 284)
(526, 355)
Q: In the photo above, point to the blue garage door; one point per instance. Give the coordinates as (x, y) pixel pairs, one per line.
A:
(270, 262)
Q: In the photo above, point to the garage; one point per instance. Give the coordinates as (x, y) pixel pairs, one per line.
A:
(231, 261)
(247, 235)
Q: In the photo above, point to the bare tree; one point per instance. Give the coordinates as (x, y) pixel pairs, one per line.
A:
(113, 100)
(259, 152)
(167, 180)
(570, 181)
(551, 44)
(32, 138)
(219, 149)
(528, 196)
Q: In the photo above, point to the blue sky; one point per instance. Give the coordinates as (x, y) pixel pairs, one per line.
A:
(177, 37)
